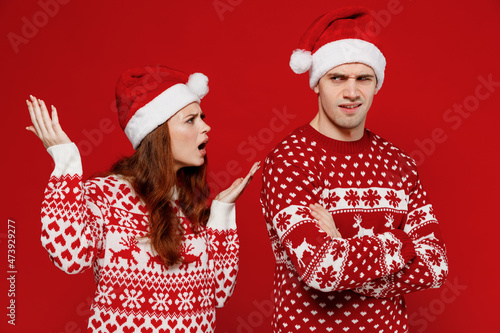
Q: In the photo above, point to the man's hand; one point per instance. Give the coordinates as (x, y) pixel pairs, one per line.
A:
(325, 220)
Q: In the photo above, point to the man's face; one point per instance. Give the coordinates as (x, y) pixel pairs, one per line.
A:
(345, 94)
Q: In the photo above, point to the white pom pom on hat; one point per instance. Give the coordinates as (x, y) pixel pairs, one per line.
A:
(198, 83)
(146, 97)
(338, 37)
(301, 61)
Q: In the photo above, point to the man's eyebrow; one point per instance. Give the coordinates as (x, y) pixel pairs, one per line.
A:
(365, 75)
(337, 74)
(357, 76)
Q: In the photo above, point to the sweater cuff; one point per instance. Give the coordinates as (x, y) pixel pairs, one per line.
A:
(222, 216)
(408, 248)
(66, 158)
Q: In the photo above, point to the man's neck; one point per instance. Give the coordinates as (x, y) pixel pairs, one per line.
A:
(327, 128)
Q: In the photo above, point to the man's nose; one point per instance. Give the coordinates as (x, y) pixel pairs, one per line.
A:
(351, 90)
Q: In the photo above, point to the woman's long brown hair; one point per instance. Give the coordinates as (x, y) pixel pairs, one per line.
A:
(150, 170)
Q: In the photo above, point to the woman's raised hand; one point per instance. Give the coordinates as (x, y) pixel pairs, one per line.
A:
(236, 189)
(46, 128)
(325, 220)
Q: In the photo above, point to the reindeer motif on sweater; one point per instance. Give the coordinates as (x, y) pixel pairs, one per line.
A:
(130, 246)
(358, 219)
(299, 251)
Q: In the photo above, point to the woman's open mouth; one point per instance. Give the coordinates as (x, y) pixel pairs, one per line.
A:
(202, 147)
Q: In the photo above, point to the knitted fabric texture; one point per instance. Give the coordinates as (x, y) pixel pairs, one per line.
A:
(102, 223)
(391, 243)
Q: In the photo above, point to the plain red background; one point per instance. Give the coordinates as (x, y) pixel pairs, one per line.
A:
(437, 53)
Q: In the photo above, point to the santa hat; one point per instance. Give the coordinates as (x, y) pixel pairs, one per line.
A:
(146, 97)
(339, 37)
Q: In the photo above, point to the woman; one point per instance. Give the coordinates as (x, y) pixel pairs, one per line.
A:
(162, 259)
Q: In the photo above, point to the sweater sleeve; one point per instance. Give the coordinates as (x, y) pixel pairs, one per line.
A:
(71, 213)
(429, 268)
(324, 263)
(223, 249)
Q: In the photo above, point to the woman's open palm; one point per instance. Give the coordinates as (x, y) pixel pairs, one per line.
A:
(234, 191)
(46, 128)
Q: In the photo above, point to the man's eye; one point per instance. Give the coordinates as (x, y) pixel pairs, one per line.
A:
(190, 120)
(336, 78)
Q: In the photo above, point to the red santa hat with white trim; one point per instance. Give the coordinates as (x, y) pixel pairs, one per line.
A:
(339, 37)
(146, 97)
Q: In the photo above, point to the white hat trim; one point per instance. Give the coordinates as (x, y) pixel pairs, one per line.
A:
(158, 111)
(346, 51)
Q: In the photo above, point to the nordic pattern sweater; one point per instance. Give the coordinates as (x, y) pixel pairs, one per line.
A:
(391, 242)
(102, 223)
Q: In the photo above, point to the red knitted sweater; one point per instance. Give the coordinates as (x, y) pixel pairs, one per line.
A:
(391, 243)
(102, 223)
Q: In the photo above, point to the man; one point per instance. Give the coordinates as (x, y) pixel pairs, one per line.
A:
(350, 225)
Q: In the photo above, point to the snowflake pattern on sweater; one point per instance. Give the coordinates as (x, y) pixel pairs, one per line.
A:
(391, 242)
(102, 224)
